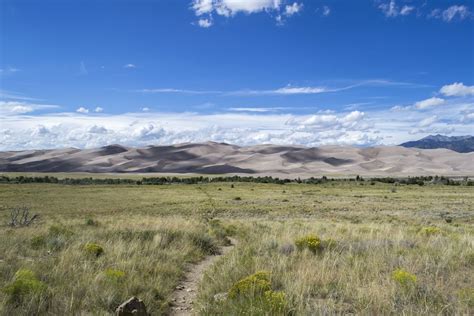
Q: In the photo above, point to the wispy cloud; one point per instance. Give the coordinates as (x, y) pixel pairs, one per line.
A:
(82, 68)
(129, 66)
(8, 70)
(391, 9)
(22, 107)
(455, 12)
(9, 95)
(257, 110)
(287, 90)
(173, 90)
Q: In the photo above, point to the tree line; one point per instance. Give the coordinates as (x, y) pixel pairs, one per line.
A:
(418, 180)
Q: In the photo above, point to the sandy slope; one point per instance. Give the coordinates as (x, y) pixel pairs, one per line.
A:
(217, 158)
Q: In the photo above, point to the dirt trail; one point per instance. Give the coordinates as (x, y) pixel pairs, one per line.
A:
(185, 294)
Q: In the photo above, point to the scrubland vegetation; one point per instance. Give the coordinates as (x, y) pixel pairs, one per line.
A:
(303, 249)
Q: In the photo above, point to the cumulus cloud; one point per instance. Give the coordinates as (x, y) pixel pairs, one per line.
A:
(205, 23)
(293, 8)
(137, 129)
(129, 66)
(98, 109)
(82, 110)
(428, 103)
(457, 89)
(228, 8)
(20, 107)
(97, 129)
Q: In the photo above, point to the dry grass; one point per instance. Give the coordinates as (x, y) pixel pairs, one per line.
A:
(150, 233)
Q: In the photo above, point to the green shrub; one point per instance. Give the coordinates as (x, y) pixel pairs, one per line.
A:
(24, 283)
(237, 198)
(115, 276)
(310, 242)
(56, 238)
(276, 301)
(38, 242)
(251, 286)
(404, 278)
(93, 249)
(430, 230)
(91, 222)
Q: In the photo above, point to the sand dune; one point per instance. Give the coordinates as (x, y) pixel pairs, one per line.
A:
(221, 158)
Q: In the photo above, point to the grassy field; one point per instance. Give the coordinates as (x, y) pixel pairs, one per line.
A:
(332, 248)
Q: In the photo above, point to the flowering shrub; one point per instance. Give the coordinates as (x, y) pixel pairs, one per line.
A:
(24, 282)
(93, 249)
(430, 230)
(257, 283)
(404, 278)
(310, 242)
(276, 301)
(114, 275)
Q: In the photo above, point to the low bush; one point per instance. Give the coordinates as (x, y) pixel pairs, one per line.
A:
(310, 242)
(276, 301)
(430, 230)
(24, 283)
(404, 278)
(91, 222)
(113, 275)
(253, 285)
(93, 249)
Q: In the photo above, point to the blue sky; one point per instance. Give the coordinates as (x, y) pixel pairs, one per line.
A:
(90, 73)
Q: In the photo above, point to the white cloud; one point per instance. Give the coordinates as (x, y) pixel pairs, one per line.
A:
(406, 10)
(428, 121)
(82, 110)
(146, 109)
(293, 8)
(129, 66)
(326, 10)
(457, 89)
(97, 129)
(258, 110)
(20, 107)
(428, 103)
(135, 129)
(288, 90)
(98, 109)
(228, 8)
(391, 9)
(467, 116)
(324, 127)
(459, 11)
(205, 23)
(300, 90)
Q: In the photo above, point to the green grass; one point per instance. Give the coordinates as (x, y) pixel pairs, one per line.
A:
(149, 234)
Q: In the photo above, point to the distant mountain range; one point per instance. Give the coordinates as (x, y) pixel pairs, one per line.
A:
(461, 144)
(221, 158)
